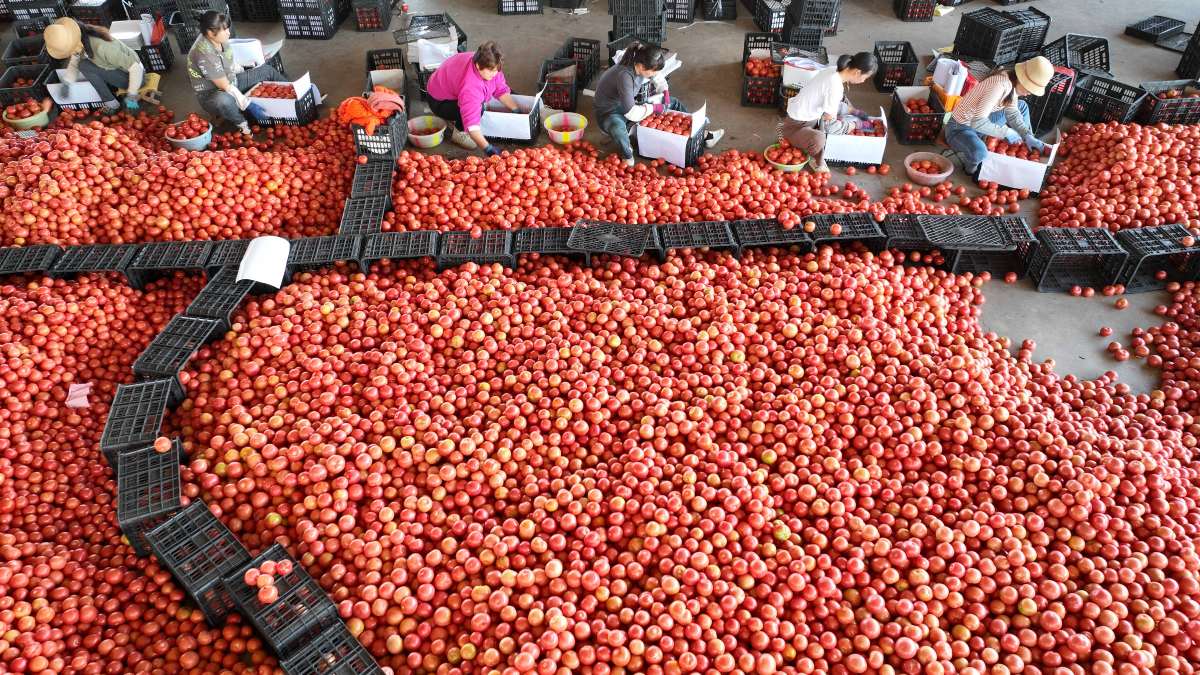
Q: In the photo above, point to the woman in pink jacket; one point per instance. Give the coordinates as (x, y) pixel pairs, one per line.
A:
(461, 86)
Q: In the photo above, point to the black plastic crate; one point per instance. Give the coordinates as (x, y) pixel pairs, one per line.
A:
(1076, 256)
(807, 38)
(398, 246)
(718, 10)
(162, 257)
(172, 348)
(897, 65)
(227, 252)
(37, 73)
(148, 491)
(964, 232)
(25, 51)
(646, 28)
(1154, 251)
(710, 234)
(94, 258)
(681, 11)
(1154, 28)
(562, 92)
(695, 146)
(317, 24)
(1079, 52)
(261, 11)
(637, 7)
(458, 248)
(757, 42)
(135, 416)
(1035, 24)
(24, 10)
(429, 27)
(616, 44)
(989, 34)
(1182, 109)
(1189, 63)
(372, 178)
(292, 6)
(1099, 99)
(998, 262)
(157, 58)
(185, 32)
(823, 13)
(371, 16)
(914, 10)
(34, 26)
(387, 142)
(767, 232)
(761, 92)
(102, 14)
(1176, 43)
(860, 227)
(595, 237)
(780, 51)
(546, 241)
(915, 128)
(769, 15)
(28, 259)
(301, 613)
(586, 53)
(393, 58)
(904, 233)
(221, 296)
(317, 252)
(199, 550)
(1046, 111)
(509, 7)
(335, 650)
(364, 214)
(306, 111)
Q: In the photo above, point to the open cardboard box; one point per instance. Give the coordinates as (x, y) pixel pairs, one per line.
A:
(392, 79)
(858, 149)
(71, 93)
(659, 144)
(135, 32)
(1019, 174)
(283, 108)
(497, 122)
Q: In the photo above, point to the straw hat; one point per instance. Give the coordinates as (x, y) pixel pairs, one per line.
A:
(63, 38)
(1033, 74)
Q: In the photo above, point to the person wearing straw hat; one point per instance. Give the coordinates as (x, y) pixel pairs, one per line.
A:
(994, 108)
(93, 54)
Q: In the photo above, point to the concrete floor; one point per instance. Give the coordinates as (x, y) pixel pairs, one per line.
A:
(1064, 327)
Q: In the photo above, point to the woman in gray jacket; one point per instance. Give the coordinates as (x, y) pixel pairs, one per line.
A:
(623, 96)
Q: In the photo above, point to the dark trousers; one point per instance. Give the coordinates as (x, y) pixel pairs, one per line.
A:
(104, 80)
(447, 110)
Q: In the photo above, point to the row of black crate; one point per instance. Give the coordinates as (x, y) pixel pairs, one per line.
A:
(1055, 257)
(678, 11)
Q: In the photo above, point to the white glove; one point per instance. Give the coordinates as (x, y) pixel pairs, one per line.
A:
(660, 83)
(242, 100)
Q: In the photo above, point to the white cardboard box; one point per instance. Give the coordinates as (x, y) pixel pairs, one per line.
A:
(499, 123)
(283, 108)
(1020, 174)
(132, 32)
(797, 71)
(659, 144)
(858, 149)
(71, 93)
(392, 79)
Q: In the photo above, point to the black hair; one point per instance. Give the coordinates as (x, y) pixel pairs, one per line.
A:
(645, 55)
(89, 30)
(488, 56)
(211, 21)
(864, 62)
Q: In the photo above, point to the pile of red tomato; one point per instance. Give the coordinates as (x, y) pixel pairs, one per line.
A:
(786, 154)
(25, 110)
(273, 90)
(763, 67)
(192, 126)
(927, 166)
(1018, 150)
(918, 106)
(671, 122)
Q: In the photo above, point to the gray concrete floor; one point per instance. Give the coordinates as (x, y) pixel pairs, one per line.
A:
(1064, 327)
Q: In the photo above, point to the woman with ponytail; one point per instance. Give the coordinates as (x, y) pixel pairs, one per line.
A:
(821, 107)
(623, 96)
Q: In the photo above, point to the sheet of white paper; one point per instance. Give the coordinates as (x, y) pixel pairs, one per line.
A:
(247, 52)
(1019, 174)
(70, 92)
(858, 149)
(265, 261)
(77, 395)
(431, 53)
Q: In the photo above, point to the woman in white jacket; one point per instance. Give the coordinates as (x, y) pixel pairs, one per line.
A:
(820, 108)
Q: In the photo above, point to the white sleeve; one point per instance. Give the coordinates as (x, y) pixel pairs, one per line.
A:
(73, 74)
(136, 72)
(639, 112)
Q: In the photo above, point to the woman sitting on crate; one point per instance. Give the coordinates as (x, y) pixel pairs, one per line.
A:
(461, 86)
(105, 62)
(623, 96)
(821, 108)
(994, 108)
(218, 81)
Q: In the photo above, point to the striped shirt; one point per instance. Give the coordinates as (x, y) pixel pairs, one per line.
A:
(993, 94)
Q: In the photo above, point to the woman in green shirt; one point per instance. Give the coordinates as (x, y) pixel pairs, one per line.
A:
(94, 55)
(218, 80)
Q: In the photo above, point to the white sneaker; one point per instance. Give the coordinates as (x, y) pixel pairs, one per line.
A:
(714, 137)
(629, 162)
(463, 140)
(244, 127)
